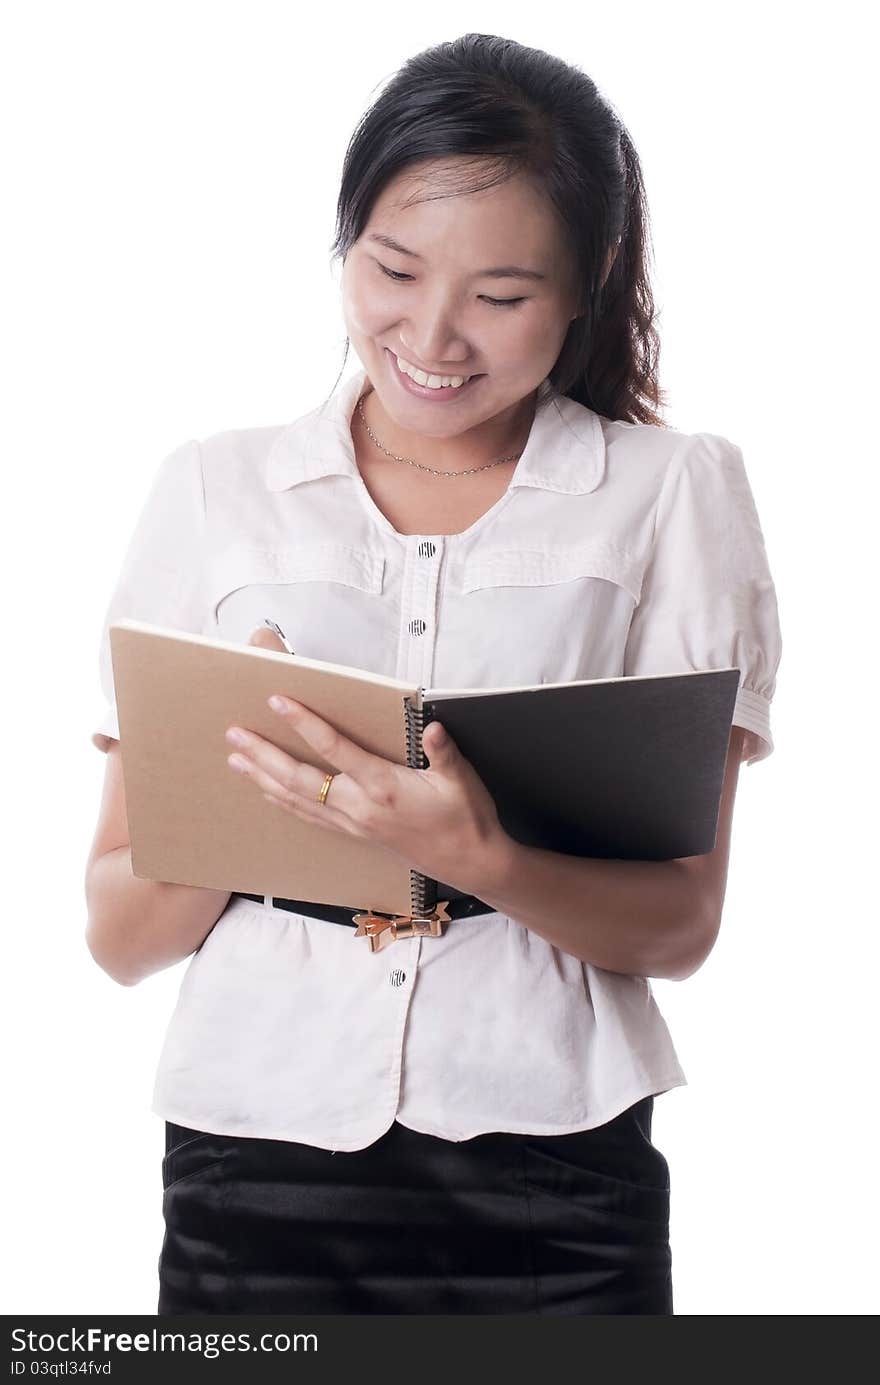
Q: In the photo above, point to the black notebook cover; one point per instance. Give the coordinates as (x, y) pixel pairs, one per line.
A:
(630, 768)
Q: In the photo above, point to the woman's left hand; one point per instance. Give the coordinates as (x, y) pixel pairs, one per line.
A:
(441, 821)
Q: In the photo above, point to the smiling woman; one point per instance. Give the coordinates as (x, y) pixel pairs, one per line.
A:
(492, 500)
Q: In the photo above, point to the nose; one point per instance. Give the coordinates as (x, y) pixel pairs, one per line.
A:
(433, 339)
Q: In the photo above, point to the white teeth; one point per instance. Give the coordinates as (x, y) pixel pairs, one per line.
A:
(433, 382)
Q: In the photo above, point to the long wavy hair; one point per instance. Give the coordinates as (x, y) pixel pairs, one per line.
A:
(505, 109)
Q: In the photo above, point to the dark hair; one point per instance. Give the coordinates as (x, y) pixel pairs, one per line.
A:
(512, 109)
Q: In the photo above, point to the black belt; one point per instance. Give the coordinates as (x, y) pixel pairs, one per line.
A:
(379, 927)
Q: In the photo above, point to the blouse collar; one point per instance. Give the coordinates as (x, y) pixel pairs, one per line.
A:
(565, 450)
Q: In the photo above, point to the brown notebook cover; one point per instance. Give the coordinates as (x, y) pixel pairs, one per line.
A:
(620, 767)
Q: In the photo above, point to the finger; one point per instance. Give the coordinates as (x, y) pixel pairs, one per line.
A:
(371, 772)
(292, 785)
(266, 639)
(273, 769)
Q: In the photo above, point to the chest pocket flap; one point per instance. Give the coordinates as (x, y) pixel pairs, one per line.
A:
(518, 567)
(246, 565)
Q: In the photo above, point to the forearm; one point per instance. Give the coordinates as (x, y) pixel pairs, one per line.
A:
(137, 927)
(643, 918)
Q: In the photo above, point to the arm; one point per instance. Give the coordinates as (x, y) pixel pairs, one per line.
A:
(643, 918)
(707, 600)
(137, 927)
(140, 926)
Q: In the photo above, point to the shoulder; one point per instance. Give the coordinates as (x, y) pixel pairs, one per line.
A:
(235, 458)
(651, 456)
(236, 464)
(235, 449)
(652, 443)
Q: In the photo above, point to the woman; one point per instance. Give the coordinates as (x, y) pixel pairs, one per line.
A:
(462, 1123)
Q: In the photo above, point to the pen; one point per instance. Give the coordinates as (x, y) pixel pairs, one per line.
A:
(279, 632)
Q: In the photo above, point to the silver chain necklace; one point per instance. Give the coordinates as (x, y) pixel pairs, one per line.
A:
(420, 465)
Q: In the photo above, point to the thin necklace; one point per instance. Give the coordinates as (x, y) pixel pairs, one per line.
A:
(421, 467)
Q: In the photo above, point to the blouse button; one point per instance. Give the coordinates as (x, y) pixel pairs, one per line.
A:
(417, 627)
(397, 977)
(427, 549)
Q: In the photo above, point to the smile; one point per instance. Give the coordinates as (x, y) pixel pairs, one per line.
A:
(435, 387)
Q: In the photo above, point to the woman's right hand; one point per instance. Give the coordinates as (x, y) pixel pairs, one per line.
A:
(266, 639)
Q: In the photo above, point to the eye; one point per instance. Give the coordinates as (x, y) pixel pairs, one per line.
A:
(400, 278)
(394, 274)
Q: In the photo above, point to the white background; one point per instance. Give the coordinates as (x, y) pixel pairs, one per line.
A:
(171, 173)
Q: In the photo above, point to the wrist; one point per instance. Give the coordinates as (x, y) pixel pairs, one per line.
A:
(495, 868)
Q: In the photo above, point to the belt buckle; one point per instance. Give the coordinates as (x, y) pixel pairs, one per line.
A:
(383, 931)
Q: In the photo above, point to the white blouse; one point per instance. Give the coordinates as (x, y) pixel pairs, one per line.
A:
(617, 549)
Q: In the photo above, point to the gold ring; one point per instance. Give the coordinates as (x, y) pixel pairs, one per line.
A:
(325, 787)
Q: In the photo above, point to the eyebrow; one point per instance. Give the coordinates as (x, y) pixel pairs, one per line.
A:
(501, 272)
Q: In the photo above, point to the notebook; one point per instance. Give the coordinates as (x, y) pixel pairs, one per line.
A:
(627, 767)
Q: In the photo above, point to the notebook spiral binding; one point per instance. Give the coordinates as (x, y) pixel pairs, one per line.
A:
(422, 892)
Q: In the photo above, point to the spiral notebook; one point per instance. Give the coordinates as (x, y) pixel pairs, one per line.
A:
(629, 767)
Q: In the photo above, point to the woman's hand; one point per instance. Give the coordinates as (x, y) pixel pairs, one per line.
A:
(441, 821)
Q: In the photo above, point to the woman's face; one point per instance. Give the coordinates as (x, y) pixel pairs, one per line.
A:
(441, 309)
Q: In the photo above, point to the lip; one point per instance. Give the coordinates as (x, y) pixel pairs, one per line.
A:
(440, 396)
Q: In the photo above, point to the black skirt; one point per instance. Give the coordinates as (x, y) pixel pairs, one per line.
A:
(500, 1223)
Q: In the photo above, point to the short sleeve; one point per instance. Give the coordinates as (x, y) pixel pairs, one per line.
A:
(161, 580)
(708, 598)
